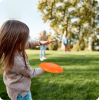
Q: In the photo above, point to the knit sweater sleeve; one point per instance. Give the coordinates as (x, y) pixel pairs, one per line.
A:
(31, 44)
(20, 68)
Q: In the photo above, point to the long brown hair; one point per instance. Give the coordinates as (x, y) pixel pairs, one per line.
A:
(13, 37)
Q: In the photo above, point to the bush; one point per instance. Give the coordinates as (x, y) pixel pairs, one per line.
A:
(53, 46)
(95, 42)
(76, 47)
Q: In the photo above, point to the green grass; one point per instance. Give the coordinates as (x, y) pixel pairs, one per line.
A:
(78, 81)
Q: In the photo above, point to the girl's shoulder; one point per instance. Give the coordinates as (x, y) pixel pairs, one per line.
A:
(19, 60)
(18, 57)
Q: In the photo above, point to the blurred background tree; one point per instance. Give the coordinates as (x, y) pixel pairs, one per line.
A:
(60, 15)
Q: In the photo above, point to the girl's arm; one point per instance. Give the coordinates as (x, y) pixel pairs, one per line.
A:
(28, 72)
(46, 42)
(19, 68)
(32, 44)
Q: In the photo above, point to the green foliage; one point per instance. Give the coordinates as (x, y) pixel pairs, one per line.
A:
(54, 45)
(59, 18)
(95, 42)
(76, 47)
(82, 45)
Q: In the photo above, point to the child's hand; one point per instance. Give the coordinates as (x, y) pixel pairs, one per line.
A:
(52, 41)
(46, 42)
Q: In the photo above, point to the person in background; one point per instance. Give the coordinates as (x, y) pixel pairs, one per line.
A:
(43, 47)
(90, 45)
(65, 42)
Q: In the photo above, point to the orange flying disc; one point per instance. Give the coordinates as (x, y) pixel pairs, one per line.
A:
(51, 67)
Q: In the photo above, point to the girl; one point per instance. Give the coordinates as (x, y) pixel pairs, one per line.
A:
(65, 42)
(17, 71)
(43, 47)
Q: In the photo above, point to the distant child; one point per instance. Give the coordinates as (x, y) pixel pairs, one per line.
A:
(65, 42)
(17, 75)
(43, 47)
(90, 45)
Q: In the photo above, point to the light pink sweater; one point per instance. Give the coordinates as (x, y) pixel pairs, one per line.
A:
(18, 79)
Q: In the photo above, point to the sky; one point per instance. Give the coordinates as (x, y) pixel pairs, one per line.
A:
(25, 11)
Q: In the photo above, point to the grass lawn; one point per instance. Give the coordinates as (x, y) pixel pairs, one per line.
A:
(78, 81)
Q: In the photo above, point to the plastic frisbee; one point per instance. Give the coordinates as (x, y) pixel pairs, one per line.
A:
(51, 67)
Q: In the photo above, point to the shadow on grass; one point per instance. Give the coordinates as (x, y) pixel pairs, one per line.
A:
(57, 91)
(72, 84)
(81, 84)
(69, 85)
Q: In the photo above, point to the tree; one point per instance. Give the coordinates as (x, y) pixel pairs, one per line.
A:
(60, 18)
